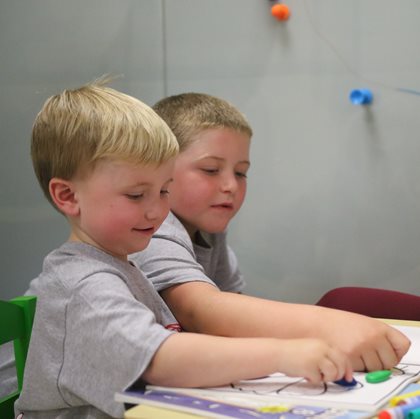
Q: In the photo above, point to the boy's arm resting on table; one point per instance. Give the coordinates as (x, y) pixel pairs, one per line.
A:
(201, 307)
(197, 360)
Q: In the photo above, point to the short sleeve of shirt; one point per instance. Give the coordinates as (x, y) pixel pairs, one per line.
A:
(167, 262)
(118, 348)
(231, 278)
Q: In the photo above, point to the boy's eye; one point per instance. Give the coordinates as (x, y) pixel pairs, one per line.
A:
(164, 192)
(241, 174)
(210, 171)
(134, 197)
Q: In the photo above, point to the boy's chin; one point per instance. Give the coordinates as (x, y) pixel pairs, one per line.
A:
(214, 229)
(141, 247)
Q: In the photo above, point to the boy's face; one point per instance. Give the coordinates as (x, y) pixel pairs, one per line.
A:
(210, 180)
(121, 205)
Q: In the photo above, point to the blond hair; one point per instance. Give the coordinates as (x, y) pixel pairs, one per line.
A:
(188, 114)
(77, 128)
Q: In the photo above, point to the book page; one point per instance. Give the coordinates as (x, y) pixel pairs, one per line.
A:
(278, 388)
(413, 333)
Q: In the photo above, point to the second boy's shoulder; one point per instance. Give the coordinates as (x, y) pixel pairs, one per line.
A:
(173, 229)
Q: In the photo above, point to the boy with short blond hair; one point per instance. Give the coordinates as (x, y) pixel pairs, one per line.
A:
(189, 254)
(105, 161)
(190, 114)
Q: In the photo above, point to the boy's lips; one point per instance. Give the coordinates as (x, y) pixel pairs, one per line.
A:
(147, 231)
(223, 205)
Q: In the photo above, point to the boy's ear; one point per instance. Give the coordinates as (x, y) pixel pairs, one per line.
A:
(63, 194)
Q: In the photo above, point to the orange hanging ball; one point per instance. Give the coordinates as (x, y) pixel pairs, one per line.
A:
(280, 11)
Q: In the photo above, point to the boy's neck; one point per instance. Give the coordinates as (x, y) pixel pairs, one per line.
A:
(200, 239)
(78, 238)
(191, 230)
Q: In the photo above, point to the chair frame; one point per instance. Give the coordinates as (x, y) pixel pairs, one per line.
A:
(16, 320)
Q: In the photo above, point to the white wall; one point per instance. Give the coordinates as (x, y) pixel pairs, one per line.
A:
(333, 190)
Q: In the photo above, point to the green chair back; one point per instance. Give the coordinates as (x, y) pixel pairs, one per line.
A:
(16, 319)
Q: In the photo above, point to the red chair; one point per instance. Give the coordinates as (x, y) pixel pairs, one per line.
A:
(373, 302)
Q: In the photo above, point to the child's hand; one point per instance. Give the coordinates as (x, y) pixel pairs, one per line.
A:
(315, 360)
(370, 344)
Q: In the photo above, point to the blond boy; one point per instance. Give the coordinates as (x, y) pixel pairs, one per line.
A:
(105, 160)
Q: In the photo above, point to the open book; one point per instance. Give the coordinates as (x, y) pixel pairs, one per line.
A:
(172, 403)
(359, 401)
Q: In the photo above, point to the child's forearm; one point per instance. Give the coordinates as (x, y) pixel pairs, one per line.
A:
(202, 308)
(196, 360)
(370, 343)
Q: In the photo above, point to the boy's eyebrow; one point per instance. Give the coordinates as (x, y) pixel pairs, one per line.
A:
(219, 158)
(149, 183)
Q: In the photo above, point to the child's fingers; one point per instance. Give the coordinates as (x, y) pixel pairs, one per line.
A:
(337, 366)
(314, 376)
(372, 361)
(399, 343)
(348, 375)
(326, 370)
(387, 355)
(333, 370)
(327, 364)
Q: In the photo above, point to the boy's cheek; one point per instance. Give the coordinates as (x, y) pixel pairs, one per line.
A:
(241, 199)
(189, 197)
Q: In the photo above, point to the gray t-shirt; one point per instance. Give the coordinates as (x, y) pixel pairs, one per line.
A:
(98, 323)
(171, 258)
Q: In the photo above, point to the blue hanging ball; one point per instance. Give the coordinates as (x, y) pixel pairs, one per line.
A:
(361, 97)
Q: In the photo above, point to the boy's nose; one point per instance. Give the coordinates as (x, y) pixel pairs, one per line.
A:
(158, 210)
(229, 184)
